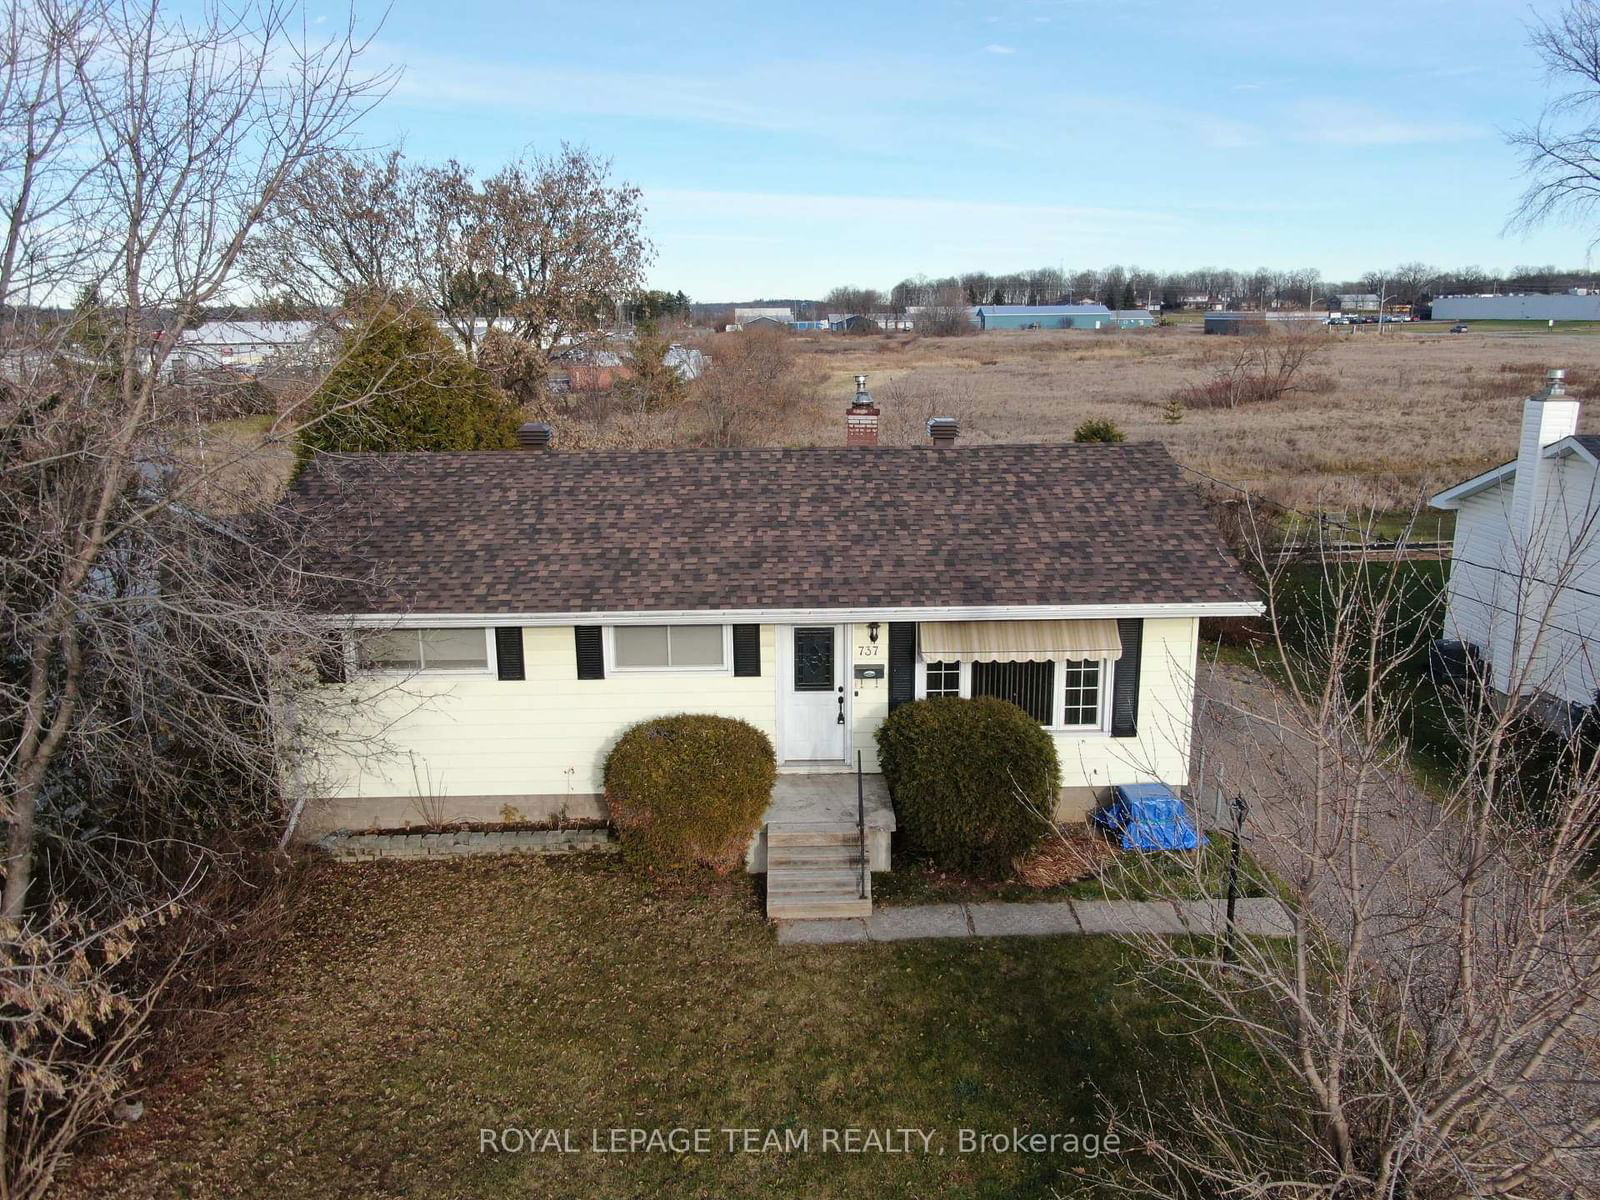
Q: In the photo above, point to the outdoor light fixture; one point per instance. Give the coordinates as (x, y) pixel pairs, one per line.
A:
(872, 626)
(861, 385)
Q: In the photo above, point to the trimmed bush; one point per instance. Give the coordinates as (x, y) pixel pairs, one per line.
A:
(689, 790)
(969, 779)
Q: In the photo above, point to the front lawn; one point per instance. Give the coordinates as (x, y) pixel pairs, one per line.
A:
(414, 1004)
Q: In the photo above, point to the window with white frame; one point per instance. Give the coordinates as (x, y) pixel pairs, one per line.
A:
(669, 647)
(1063, 694)
(943, 679)
(424, 650)
(1080, 693)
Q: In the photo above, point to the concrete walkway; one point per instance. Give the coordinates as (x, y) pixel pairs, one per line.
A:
(1260, 916)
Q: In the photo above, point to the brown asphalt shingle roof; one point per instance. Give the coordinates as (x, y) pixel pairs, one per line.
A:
(589, 531)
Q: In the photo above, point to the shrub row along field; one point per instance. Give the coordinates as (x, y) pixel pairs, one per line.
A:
(1372, 421)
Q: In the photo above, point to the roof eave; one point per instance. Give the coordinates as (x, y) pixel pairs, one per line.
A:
(1451, 498)
(785, 616)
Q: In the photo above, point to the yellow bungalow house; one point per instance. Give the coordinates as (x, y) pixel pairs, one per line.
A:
(508, 614)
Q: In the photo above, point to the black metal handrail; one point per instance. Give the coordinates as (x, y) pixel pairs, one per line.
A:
(861, 822)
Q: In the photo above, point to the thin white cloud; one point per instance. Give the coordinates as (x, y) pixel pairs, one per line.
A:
(1345, 124)
(997, 48)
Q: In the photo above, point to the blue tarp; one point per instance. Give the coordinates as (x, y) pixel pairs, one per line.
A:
(1148, 816)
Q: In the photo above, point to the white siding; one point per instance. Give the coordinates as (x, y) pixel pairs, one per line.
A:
(1166, 709)
(870, 697)
(471, 741)
(1496, 575)
(542, 737)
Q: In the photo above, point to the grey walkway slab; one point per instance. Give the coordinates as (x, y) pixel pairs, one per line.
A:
(1259, 917)
(821, 933)
(1128, 916)
(1003, 920)
(918, 921)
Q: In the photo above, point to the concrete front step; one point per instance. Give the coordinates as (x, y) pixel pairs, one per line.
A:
(814, 879)
(808, 908)
(814, 872)
(813, 856)
(778, 835)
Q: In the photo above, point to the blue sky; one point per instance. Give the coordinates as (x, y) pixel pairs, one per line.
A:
(784, 149)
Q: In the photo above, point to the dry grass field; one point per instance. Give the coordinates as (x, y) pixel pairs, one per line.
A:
(1377, 422)
(1380, 422)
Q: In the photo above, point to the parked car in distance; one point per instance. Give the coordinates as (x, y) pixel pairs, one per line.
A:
(1459, 327)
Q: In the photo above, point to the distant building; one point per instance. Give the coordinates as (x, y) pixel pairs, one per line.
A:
(1134, 318)
(688, 362)
(585, 370)
(1355, 302)
(779, 316)
(1044, 316)
(1562, 306)
(1261, 322)
(247, 346)
(809, 326)
(764, 323)
(850, 322)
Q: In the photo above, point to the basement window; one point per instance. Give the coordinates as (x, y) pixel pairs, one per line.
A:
(425, 650)
(670, 647)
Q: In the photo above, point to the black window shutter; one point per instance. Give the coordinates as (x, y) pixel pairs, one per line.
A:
(747, 650)
(902, 663)
(508, 652)
(1125, 680)
(591, 653)
(329, 659)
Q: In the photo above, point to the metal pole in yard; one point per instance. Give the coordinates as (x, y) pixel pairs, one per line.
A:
(1240, 808)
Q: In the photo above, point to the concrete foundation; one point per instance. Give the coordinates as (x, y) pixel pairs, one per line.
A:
(332, 813)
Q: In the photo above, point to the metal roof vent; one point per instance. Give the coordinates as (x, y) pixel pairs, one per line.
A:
(536, 435)
(943, 430)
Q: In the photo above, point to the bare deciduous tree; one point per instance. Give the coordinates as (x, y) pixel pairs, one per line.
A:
(342, 228)
(150, 651)
(1561, 150)
(1427, 1028)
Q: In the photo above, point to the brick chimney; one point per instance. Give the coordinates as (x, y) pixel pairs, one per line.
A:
(943, 430)
(861, 418)
(535, 435)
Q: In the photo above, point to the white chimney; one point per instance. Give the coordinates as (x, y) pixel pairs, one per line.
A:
(1546, 419)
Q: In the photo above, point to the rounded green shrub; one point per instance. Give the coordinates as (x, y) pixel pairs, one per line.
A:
(972, 780)
(689, 790)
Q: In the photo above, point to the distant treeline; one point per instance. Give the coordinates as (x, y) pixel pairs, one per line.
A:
(1135, 287)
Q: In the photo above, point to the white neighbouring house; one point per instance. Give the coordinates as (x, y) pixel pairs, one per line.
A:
(249, 347)
(1524, 590)
(506, 615)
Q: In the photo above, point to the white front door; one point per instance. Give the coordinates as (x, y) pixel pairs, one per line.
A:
(813, 694)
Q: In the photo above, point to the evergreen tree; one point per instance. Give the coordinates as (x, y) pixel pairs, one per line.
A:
(652, 383)
(402, 385)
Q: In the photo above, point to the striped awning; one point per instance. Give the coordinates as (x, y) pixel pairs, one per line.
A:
(1017, 641)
